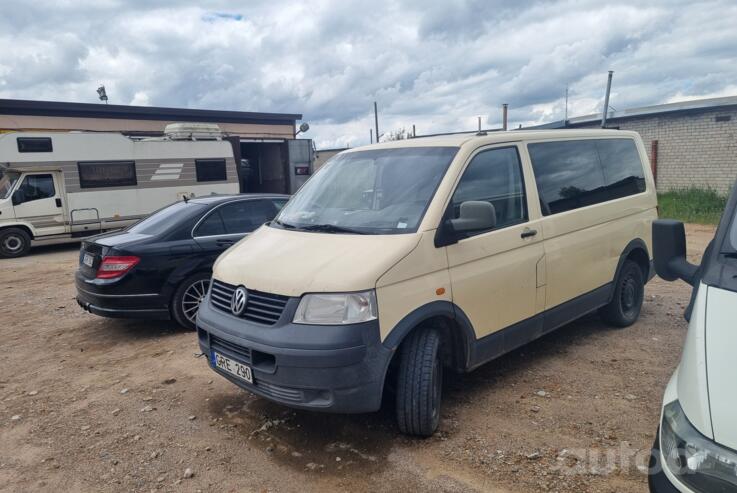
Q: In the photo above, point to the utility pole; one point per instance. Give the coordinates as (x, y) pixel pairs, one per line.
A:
(606, 99)
(376, 121)
(414, 133)
(505, 107)
(565, 118)
(371, 135)
(479, 124)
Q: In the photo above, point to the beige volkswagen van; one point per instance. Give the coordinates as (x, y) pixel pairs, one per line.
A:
(398, 261)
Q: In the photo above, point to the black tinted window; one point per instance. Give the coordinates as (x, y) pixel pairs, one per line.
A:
(167, 218)
(36, 187)
(34, 144)
(622, 167)
(101, 174)
(246, 215)
(212, 225)
(577, 173)
(211, 170)
(494, 176)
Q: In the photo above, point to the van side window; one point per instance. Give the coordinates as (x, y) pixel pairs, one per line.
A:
(35, 187)
(211, 170)
(494, 176)
(578, 173)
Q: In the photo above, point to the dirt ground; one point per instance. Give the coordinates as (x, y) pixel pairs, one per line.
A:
(91, 404)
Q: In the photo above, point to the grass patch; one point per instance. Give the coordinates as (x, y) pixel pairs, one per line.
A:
(693, 205)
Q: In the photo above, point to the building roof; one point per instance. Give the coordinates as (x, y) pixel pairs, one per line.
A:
(682, 107)
(117, 111)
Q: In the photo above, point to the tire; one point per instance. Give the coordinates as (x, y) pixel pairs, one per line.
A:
(187, 298)
(629, 289)
(420, 383)
(14, 242)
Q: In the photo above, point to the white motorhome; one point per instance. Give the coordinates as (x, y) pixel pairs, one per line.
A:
(59, 187)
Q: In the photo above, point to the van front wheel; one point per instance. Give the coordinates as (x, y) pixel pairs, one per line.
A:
(629, 289)
(420, 383)
(14, 242)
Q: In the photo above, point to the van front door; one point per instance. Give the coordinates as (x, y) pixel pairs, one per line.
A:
(497, 275)
(38, 201)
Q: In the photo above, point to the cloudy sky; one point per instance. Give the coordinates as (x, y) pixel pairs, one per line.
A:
(436, 64)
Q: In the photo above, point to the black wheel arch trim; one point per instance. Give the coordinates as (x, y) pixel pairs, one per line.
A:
(439, 308)
(636, 244)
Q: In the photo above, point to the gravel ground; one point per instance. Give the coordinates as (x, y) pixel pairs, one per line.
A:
(90, 404)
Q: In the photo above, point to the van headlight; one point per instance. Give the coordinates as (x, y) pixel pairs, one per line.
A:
(696, 461)
(336, 308)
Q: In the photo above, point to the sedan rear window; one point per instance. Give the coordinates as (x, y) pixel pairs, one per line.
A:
(167, 218)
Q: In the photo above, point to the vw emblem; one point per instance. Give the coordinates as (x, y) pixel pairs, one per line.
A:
(238, 303)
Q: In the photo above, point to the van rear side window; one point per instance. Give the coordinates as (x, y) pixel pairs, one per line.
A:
(34, 144)
(578, 173)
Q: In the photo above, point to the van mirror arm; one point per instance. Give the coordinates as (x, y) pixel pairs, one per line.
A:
(669, 251)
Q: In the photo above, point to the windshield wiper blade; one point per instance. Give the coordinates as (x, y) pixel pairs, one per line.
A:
(284, 225)
(331, 228)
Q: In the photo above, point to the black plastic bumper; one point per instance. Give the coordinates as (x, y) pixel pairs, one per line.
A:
(657, 480)
(331, 368)
(105, 300)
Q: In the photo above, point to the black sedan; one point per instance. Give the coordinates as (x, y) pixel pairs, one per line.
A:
(160, 267)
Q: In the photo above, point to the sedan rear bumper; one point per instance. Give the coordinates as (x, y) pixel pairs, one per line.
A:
(102, 300)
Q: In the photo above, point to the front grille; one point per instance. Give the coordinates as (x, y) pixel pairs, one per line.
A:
(263, 308)
(228, 348)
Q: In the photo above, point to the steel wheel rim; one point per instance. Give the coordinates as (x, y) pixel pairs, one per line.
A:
(193, 297)
(629, 294)
(13, 243)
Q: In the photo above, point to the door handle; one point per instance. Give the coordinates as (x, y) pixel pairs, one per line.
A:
(58, 202)
(528, 233)
(225, 242)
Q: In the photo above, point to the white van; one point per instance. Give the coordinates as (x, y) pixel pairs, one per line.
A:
(696, 446)
(59, 187)
(398, 260)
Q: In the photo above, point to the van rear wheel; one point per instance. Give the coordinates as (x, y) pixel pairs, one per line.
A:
(14, 242)
(420, 383)
(629, 289)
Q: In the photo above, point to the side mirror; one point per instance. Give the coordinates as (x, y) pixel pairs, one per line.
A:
(17, 198)
(669, 251)
(474, 216)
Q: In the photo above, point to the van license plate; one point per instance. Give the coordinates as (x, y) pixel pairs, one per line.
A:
(233, 367)
(88, 259)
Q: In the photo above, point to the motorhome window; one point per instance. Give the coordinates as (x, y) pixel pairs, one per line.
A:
(35, 187)
(383, 191)
(494, 176)
(34, 144)
(211, 170)
(7, 181)
(101, 174)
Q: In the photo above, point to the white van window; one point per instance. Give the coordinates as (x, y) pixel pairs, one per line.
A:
(383, 191)
(7, 181)
(577, 173)
(494, 176)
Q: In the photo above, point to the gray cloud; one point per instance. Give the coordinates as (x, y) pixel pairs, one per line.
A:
(438, 65)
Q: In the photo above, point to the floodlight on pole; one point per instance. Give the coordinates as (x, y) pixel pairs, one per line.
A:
(302, 128)
(102, 94)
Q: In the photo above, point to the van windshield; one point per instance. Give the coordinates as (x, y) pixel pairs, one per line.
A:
(383, 191)
(7, 180)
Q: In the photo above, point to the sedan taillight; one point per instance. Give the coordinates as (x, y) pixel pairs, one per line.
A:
(112, 267)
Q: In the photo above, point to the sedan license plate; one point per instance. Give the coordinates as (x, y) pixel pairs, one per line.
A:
(233, 367)
(88, 259)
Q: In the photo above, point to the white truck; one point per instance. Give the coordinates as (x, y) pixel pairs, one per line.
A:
(59, 187)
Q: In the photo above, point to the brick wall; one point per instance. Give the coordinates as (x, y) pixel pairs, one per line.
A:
(693, 149)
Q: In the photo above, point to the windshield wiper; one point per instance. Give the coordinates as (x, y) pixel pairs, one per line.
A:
(331, 228)
(284, 225)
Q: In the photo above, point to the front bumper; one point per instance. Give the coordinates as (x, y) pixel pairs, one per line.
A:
(105, 300)
(334, 368)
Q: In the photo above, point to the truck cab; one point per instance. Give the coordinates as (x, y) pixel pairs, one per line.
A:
(31, 207)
